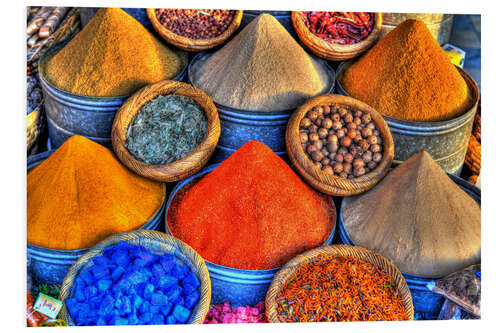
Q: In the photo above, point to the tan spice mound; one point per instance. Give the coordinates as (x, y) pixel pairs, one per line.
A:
(418, 218)
(407, 75)
(114, 55)
(262, 69)
(82, 194)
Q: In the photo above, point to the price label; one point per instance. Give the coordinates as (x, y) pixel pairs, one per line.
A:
(47, 305)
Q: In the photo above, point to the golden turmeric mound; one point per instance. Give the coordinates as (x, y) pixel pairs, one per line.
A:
(407, 75)
(113, 55)
(81, 194)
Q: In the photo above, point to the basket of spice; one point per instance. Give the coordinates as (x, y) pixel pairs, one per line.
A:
(338, 283)
(166, 131)
(337, 36)
(195, 29)
(339, 145)
(137, 278)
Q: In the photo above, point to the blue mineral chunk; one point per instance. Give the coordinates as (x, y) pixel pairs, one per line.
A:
(136, 277)
(123, 283)
(100, 261)
(126, 307)
(107, 305)
(181, 314)
(174, 293)
(167, 261)
(166, 309)
(178, 271)
(148, 291)
(79, 293)
(136, 301)
(157, 270)
(101, 322)
(86, 276)
(146, 255)
(191, 299)
(79, 281)
(118, 303)
(191, 280)
(90, 291)
(146, 317)
(120, 257)
(131, 291)
(117, 273)
(84, 310)
(72, 305)
(154, 309)
(171, 320)
(133, 320)
(159, 299)
(99, 272)
(144, 308)
(158, 319)
(95, 302)
(180, 301)
(117, 320)
(104, 285)
(139, 263)
(167, 281)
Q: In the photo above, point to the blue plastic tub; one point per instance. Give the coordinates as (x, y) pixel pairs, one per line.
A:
(238, 286)
(240, 126)
(426, 303)
(48, 266)
(71, 114)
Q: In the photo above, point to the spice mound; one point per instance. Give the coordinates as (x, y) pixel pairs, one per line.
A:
(195, 23)
(339, 289)
(418, 218)
(407, 75)
(166, 129)
(82, 194)
(130, 285)
(252, 212)
(341, 141)
(261, 69)
(340, 27)
(113, 55)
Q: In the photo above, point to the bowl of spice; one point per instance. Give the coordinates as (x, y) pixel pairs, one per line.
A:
(339, 145)
(137, 278)
(338, 283)
(166, 131)
(337, 36)
(195, 29)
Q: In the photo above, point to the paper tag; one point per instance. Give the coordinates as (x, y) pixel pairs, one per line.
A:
(47, 305)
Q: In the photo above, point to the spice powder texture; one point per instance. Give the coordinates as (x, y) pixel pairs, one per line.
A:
(407, 75)
(251, 212)
(82, 194)
(261, 69)
(113, 55)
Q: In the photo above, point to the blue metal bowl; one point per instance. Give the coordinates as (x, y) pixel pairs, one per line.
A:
(425, 301)
(49, 266)
(238, 286)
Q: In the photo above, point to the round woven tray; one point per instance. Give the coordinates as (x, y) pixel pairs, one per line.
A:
(320, 180)
(180, 169)
(355, 252)
(190, 44)
(158, 243)
(333, 51)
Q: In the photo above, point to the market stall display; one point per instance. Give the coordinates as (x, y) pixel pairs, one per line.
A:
(195, 29)
(337, 36)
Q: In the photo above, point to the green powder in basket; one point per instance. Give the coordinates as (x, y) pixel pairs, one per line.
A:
(261, 69)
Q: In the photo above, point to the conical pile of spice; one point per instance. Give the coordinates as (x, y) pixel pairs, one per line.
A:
(251, 212)
(407, 75)
(81, 194)
(261, 69)
(114, 55)
(418, 218)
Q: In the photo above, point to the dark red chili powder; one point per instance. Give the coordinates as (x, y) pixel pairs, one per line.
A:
(252, 212)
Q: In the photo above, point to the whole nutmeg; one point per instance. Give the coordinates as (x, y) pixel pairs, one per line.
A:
(324, 151)
(313, 137)
(351, 133)
(326, 110)
(340, 133)
(371, 165)
(339, 158)
(366, 132)
(371, 126)
(366, 118)
(328, 169)
(303, 137)
(355, 151)
(317, 156)
(318, 109)
(364, 145)
(357, 121)
(305, 122)
(332, 138)
(343, 150)
(375, 148)
(335, 117)
(322, 132)
(318, 121)
(367, 156)
(372, 139)
(313, 115)
(377, 157)
(346, 141)
(331, 156)
(350, 126)
(332, 147)
(348, 158)
(327, 123)
(318, 144)
(359, 172)
(347, 167)
(348, 118)
(358, 163)
(313, 128)
(338, 167)
(358, 113)
(357, 139)
(343, 174)
(310, 149)
(342, 111)
(337, 125)
(325, 161)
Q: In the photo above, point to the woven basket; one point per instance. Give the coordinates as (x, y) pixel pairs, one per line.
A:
(320, 180)
(473, 156)
(189, 44)
(355, 252)
(180, 169)
(156, 242)
(333, 51)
